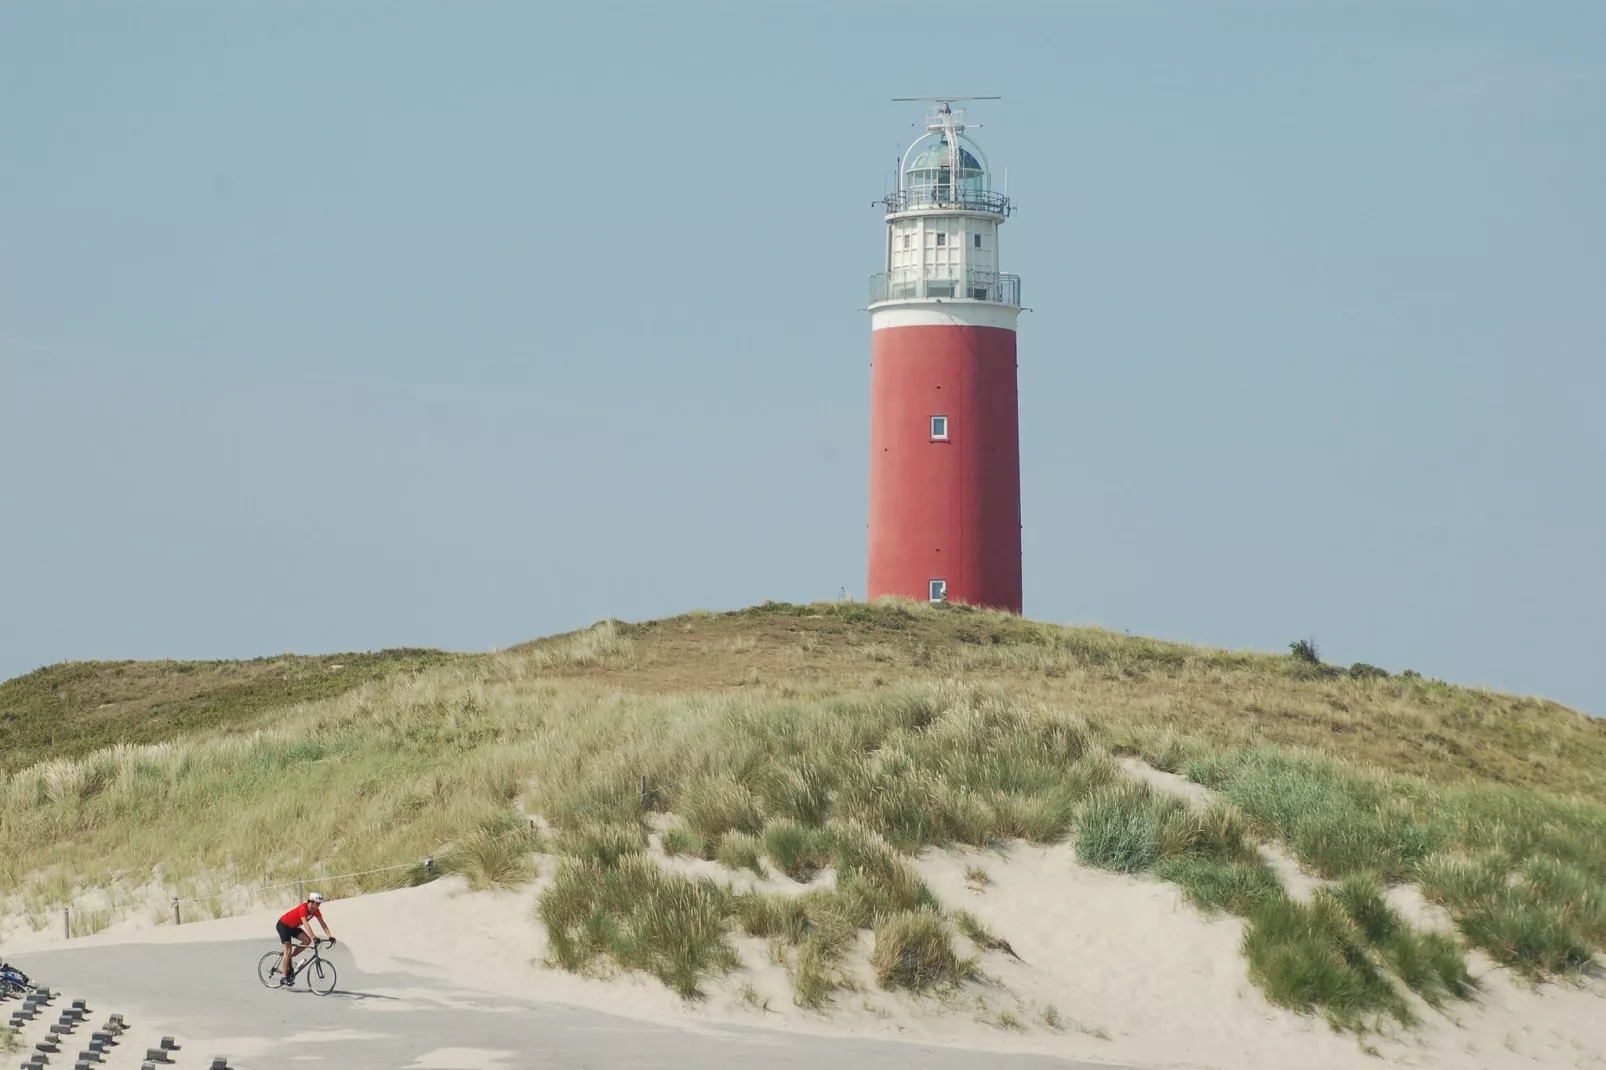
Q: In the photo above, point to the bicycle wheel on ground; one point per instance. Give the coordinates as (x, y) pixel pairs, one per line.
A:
(268, 969)
(320, 975)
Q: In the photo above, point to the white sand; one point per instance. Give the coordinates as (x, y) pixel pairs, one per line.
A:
(1135, 975)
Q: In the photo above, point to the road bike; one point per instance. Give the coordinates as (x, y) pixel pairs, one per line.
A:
(13, 982)
(319, 971)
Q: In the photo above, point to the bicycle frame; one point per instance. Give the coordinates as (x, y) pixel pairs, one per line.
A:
(321, 968)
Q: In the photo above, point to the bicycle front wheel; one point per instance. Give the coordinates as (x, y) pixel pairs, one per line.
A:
(320, 976)
(268, 968)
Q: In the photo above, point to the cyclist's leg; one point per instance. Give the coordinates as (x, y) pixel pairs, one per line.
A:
(288, 936)
(284, 934)
(303, 941)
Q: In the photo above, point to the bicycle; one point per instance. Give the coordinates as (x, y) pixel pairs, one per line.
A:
(13, 982)
(319, 971)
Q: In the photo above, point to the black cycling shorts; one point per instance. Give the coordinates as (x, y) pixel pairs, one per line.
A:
(287, 934)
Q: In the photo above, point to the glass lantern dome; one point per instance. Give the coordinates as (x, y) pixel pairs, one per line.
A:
(933, 169)
(944, 170)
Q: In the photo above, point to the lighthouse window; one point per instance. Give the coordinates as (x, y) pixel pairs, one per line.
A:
(939, 427)
(906, 241)
(939, 590)
(978, 240)
(942, 239)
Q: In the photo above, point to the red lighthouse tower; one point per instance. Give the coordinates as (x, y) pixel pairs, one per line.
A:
(945, 518)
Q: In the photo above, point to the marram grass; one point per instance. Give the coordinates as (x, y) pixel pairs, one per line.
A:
(1520, 871)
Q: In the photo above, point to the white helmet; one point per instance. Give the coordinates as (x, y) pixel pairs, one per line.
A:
(315, 897)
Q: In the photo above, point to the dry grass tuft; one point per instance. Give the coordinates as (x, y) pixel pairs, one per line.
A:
(493, 858)
(914, 951)
(638, 917)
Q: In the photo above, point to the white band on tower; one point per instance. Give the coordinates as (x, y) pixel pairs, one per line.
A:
(943, 314)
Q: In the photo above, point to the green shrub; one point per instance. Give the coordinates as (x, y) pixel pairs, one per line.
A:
(680, 840)
(605, 844)
(738, 850)
(491, 859)
(1431, 964)
(767, 916)
(1456, 882)
(1547, 918)
(799, 790)
(1212, 884)
(1043, 817)
(719, 804)
(976, 769)
(797, 850)
(639, 917)
(1572, 892)
(1120, 828)
(914, 951)
(1531, 936)
(871, 879)
(816, 974)
(1312, 957)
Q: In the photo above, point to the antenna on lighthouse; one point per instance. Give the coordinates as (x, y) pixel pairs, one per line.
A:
(949, 124)
(942, 117)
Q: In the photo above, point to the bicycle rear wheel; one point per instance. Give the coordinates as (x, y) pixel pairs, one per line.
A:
(268, 969)
(320, 974)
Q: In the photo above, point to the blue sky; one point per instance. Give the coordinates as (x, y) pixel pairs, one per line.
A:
(333, 327)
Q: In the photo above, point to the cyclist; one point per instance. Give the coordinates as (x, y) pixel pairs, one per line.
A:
(290, 931)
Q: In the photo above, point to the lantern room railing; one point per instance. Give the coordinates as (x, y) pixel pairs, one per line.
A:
(938, 196)
(915, 285)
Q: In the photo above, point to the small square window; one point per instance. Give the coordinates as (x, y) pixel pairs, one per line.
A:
(977, 238)
(942, 239)
(938, 590)
(939, 427)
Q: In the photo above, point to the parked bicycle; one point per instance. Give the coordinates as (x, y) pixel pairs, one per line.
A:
(318, 971)
(13, 982)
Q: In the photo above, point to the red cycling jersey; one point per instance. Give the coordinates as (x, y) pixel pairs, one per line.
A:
(299, 914)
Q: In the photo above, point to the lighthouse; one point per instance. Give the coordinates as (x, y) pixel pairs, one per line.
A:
(945, 514)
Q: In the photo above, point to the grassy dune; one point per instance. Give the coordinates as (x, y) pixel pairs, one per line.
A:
(829, 742)
(67, 710)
